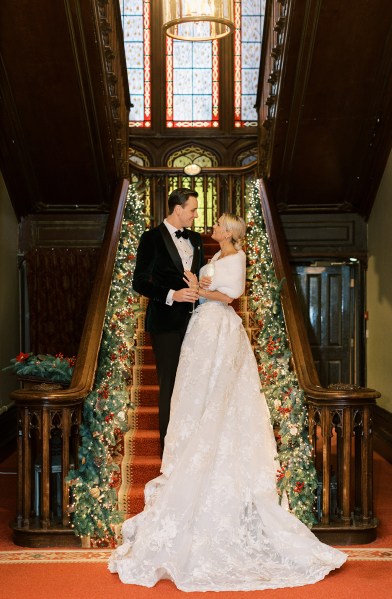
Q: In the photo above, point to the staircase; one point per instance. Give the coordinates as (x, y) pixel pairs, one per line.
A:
(141, 461)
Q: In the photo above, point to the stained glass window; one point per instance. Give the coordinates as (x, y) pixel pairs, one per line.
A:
(248, 22)
(192, 84)
(136, 16)
(192, 69)
(206, 186)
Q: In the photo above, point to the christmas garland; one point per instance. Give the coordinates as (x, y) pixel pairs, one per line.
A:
(296, 475)
(94, 483)
(58, 368)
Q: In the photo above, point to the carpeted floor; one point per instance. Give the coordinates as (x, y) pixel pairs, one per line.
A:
(82, 574)
(369, 580)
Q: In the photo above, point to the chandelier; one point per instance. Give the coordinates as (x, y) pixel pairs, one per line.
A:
(198, 20)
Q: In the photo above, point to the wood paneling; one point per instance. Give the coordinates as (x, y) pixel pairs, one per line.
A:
(65, 230)
(331, 130)
(316, 236)
(62, 132)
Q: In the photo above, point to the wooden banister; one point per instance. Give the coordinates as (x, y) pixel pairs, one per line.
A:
(340, 416)
(83, 376)
(49, 418)
(302, 353)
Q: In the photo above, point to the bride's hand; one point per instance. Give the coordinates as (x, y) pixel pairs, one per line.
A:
(205, 282)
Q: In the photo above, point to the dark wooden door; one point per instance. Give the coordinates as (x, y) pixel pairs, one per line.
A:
(331, 300)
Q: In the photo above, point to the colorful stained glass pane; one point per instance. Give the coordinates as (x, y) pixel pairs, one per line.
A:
(201, 85)
(202, 54)
(250, 7)
(182, 55)
(134, 55)
(132, 7)
(182, 106)
(136, 81)
(182, 80)
(133, 28)
(137, 109)
(249, 81)
(202, 108)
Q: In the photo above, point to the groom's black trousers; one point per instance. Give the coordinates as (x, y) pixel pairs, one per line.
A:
(167, 348)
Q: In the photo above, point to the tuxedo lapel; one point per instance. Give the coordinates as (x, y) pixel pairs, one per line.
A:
(195, 241)
(171, 247)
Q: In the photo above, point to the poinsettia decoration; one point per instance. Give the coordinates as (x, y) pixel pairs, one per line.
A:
(56, 368)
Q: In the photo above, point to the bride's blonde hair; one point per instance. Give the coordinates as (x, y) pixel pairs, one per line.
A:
(236, 225)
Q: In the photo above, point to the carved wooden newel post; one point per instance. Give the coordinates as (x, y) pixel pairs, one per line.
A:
(48, 440)
(341, 433)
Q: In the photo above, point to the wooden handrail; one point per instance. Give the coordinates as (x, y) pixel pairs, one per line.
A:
(302, 355)
(84, 373)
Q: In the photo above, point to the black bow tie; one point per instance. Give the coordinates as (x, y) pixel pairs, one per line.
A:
(184, 234)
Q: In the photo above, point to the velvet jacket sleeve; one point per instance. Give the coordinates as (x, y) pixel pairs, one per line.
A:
(144, 281)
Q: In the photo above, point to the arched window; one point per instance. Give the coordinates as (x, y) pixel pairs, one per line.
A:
(246, 156)
(205, 186)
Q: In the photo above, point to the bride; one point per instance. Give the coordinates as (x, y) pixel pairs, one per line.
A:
(212, 519)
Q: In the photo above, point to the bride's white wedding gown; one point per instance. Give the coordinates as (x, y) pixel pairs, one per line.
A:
(212, 520)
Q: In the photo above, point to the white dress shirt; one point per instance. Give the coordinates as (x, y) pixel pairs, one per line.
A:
(185, 250)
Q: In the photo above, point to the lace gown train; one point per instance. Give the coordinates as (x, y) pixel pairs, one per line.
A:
(212, 520)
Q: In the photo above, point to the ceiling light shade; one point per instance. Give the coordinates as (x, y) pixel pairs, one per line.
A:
(192, 169)
(198, 20)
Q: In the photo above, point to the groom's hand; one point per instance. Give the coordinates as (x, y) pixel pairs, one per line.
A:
(185, 295)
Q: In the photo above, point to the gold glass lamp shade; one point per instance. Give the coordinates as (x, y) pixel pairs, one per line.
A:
(198, 20)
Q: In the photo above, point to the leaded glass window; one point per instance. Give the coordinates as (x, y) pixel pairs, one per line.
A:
(192, 69)
(136, 17)
(192, 84)
(248, 22)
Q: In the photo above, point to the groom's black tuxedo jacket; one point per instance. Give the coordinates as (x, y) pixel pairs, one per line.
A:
(159, 269)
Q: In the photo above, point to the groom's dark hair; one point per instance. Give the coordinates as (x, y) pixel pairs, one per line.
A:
(180, 196)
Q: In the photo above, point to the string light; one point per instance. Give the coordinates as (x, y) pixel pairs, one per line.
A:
(93, 485)
(296, 474)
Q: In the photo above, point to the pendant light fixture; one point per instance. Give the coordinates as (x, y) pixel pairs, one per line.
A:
(198, 20)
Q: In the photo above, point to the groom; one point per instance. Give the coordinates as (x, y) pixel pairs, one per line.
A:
(164, 253)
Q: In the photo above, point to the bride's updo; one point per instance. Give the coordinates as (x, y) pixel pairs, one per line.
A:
(236, 226)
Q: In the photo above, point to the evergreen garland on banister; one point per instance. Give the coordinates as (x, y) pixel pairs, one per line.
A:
(296, 475)
(93, 484)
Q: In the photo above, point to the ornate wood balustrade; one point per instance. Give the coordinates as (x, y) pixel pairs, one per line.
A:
(340, 418)
(49, 418)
